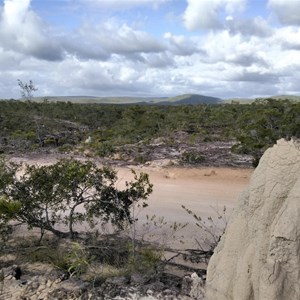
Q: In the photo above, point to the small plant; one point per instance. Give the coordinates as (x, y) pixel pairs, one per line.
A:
(159, 231)
(210, 229)
(98, 273)
(104, 149)
(77, 260)
(71, 258)
(156, 230)
(192, 157)
(140, 159)
(145, 261)
(7, 213)
(65, 148)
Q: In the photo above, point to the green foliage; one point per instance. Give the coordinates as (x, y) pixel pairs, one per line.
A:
(72, 258)
(145, 260)
(8, 210)
(77, 260)
(27, 125)
(192, 157)
(141, 158)
(71, 192)
(104, 149)
(66, 148)
(266, 121)
(7, 175)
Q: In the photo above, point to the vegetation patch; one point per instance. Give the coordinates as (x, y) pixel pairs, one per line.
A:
(192, 158)
(30, 126)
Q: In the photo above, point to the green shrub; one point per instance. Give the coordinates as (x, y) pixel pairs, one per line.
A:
(141, 159)
(145, 260)
(66, 148)
(50, 195)
(104, 149)
(192, 157)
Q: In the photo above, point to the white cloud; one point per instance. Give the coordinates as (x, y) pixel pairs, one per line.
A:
(9, 59)
(110, 37)
(158, 60)
(287, 11)
(22, 31)
(256, 26)
(110, 56)
(205, 14)
(246, 58)
(234, 6)
(124, 39)
(288, 38)
(202, 14)
(260, 77)
(181, 45)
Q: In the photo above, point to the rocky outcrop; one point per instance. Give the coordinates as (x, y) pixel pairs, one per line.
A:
(193, 287)
(50, 285)
(259, 255)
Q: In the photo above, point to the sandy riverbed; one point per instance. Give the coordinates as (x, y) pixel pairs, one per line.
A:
(203, 190)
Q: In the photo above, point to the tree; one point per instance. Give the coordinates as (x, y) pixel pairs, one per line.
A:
(71, 192)
(27, 89)
(8, 209)
(266, 121)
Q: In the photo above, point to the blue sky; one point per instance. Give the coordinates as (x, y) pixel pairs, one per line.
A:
(222, 48)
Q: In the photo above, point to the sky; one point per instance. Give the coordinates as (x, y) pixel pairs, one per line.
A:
(221, 48)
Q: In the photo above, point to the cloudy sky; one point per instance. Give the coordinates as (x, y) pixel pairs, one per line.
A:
(222, 48)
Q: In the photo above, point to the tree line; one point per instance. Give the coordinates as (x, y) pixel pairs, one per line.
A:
(28, 125)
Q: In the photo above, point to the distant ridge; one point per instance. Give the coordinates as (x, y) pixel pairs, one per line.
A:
(177, 100)
(185, 99)
(191, 99)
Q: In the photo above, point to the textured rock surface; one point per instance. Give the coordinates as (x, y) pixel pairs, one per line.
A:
(259, 255)
(193, 287)
(48, 286)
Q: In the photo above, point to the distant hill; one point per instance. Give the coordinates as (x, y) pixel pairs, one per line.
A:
(178, 100)
(99, 100)
(191, 99)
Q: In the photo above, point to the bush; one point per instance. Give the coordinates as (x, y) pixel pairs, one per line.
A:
(8, 210)
(104, 149)
(144, 261)
(192, 158)
(49, 196)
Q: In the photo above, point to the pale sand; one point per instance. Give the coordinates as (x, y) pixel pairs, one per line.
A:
(203, 190)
